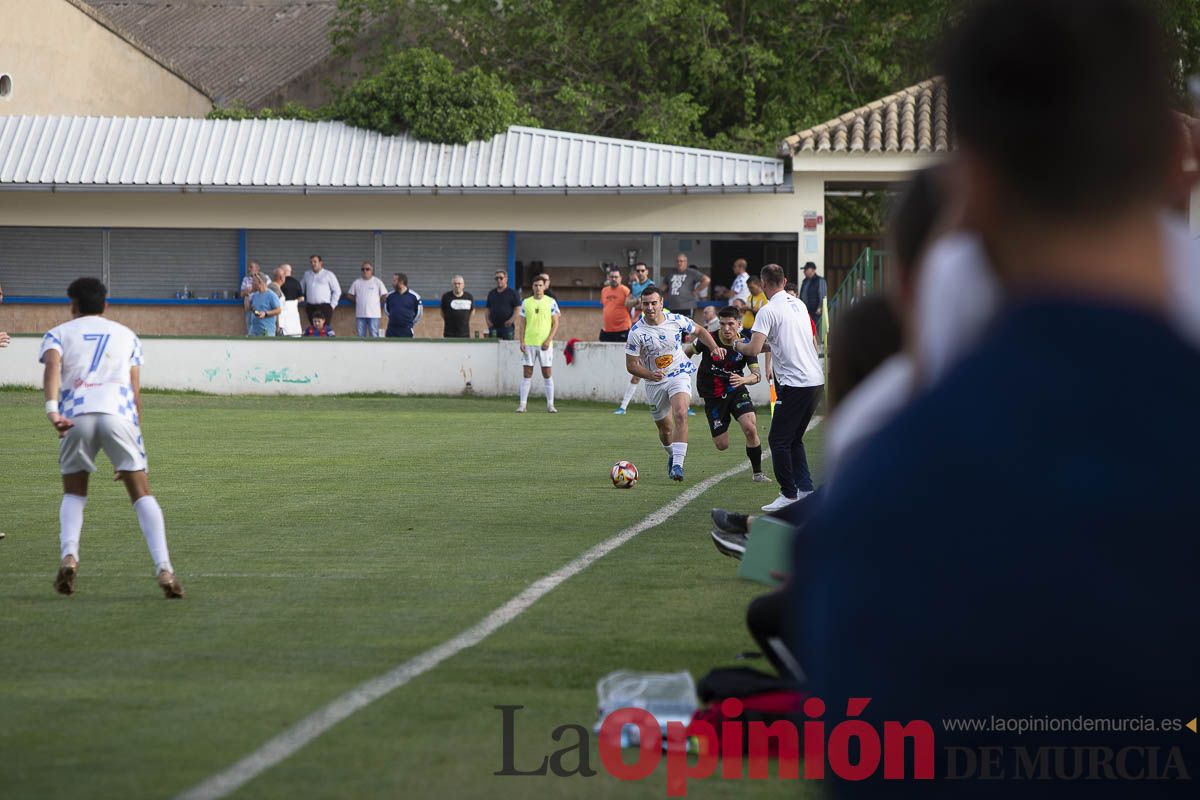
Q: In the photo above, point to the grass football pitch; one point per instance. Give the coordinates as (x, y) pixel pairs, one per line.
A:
(324, 541)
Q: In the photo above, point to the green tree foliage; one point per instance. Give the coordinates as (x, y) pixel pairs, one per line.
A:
(709, 73)
(415, 91)
(421, 92)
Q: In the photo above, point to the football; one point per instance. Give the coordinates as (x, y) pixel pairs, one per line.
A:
(624, 475)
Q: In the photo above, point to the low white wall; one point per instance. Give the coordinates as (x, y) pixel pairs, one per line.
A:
(340, 366)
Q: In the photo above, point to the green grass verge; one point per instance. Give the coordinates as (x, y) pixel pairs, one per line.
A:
(322, 542)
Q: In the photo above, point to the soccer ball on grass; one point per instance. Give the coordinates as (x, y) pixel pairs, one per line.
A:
(624, 475)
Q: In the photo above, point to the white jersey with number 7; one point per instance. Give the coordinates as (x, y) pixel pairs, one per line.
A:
(97, 355)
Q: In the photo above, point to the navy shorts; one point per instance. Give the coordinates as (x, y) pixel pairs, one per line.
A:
(719, 410)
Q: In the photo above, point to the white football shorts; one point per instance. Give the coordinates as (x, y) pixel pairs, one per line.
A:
(120, 439)
(659, 395)
(536, 354)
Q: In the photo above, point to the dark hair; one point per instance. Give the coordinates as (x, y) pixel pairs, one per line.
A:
(640, 264)
(1066, 100)
(317, 257)
(727, 312)
(89, 295)
(403, 278)
(863, 336)
(790, 287)
(773, 275)
(651, 289)
(912, 219)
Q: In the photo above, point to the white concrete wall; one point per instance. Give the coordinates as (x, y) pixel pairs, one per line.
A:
(340, 366)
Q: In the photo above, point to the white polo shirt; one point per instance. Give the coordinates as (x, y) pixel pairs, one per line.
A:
(785, 322)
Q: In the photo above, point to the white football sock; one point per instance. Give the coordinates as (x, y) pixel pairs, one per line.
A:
(549, 391)
(524, 390)
(150, 517)
(629, 390)
(678, 452)
(70, 522)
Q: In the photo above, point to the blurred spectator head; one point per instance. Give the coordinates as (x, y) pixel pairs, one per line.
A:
(316, 262)
(260, 282)
(867, 334)
(810, 269)
(399, 281)
(287, 269)
(1061, 109)
(681, 262)
(911, 226)
(754, 284)
(739, 266)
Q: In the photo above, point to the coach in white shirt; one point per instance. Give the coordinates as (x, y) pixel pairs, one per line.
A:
(321, 290)
(784, 326)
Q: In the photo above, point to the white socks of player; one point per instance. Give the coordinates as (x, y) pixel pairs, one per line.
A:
(524, 391)
(150, 517)
(70, 521)
(629, 390)
(678, 451)
(550, 392)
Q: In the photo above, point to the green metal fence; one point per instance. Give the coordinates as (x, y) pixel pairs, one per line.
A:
(864, 278)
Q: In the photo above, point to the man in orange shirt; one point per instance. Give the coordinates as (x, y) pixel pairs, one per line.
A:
(616, 322)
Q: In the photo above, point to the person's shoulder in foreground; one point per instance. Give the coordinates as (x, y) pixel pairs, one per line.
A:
(1063, 494)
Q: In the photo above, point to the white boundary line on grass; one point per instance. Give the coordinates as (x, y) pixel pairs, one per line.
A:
(293, 739)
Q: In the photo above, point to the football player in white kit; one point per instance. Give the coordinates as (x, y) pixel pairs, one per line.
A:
(654, 353)
(93, 399)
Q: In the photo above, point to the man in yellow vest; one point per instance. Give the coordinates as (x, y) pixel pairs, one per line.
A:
(536, 325)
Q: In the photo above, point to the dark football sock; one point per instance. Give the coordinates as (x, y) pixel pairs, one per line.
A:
(755, 454)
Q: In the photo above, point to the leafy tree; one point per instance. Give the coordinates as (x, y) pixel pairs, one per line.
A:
(415, 91)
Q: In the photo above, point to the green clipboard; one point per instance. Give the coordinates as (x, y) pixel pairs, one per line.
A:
(768, 549)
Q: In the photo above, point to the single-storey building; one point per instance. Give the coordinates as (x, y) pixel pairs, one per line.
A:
(169, 212)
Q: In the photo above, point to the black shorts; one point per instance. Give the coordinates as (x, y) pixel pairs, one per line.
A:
(719, 410)
(614, 336)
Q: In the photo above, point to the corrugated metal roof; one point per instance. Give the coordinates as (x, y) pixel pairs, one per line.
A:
(106, 153)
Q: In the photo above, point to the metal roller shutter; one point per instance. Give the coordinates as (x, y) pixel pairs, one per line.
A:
(145, 263)
(42, 262)
(432, 258)
(342, 251)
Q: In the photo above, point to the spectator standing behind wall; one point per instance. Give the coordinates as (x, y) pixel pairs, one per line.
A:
(247, 289)
(403, 308)
(289, 317)
(458, 307)
(4, 337)
(812, 292)
(685, 286)
(502, 305)
(321, 290)
(615, 321)
(265, 306)
(739, 290)
(368, 293)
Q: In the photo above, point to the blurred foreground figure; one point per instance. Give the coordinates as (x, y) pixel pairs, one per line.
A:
(1020, 543)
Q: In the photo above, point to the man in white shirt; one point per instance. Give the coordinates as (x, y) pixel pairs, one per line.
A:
(368, 293)
(321, 290)
(739, 291)
(783, 324)
(93, 397)
(654, 353)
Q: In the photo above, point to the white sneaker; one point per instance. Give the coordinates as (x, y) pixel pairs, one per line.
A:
(760, 477)
(783, 501)
(551, 410)
(521, 409)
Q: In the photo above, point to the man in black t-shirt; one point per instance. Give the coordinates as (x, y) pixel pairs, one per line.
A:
(502, 305)
(723, 387)
(457, 307)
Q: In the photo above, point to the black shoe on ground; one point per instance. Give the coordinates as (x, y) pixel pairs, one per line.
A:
(730, 521)
(730, 544)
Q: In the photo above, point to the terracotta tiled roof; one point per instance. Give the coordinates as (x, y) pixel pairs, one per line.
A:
(913, 120)
(233, 50)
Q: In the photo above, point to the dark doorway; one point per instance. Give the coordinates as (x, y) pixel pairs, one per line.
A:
(757, 253)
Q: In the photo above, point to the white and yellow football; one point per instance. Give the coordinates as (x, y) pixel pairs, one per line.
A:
(624, 475)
